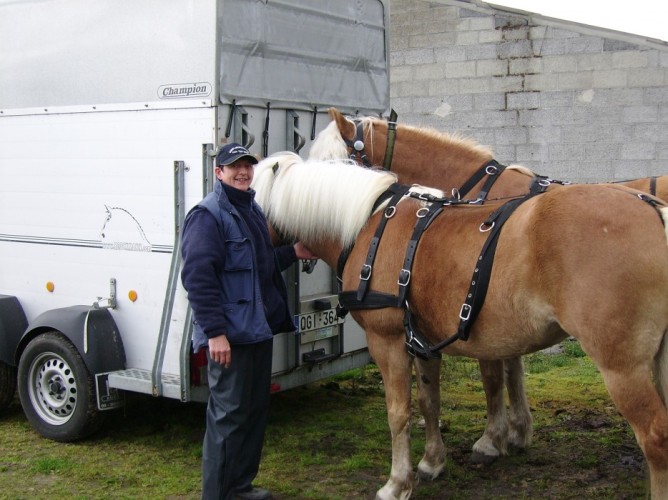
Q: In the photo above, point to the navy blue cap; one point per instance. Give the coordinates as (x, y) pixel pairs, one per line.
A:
(232, 152)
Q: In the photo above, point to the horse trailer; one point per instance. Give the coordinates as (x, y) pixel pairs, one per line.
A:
(111, 114)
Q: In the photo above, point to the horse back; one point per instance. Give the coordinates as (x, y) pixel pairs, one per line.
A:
(571, 261)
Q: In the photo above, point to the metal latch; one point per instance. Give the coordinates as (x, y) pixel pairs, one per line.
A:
(108, 303)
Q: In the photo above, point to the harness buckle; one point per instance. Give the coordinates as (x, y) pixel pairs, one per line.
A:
(491, 170)
(465, 312)
(404, 277)
(365, 273)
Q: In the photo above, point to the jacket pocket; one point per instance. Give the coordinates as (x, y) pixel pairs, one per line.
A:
(238, 255)
(245, 324)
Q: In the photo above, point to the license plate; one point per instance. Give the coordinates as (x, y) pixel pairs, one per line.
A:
(317, 320)
(108, 398)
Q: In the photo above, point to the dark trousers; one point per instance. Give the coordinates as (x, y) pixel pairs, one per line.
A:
(236, 419)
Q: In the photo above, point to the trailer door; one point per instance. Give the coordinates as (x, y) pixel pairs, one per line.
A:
(281, 66)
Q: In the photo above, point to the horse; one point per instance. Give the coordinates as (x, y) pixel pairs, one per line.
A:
(429, 157)
(586, 261)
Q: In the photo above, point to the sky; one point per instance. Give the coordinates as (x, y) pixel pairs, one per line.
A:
(642, 17)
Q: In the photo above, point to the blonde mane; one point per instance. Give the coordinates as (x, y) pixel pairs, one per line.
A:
(442, 139)
(318, 200)
(329, 144)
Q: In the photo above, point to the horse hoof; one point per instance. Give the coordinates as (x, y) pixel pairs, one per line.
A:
(428, 476)
(482, 459)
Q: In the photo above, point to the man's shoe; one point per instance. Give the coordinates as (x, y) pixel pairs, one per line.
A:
(253, 494)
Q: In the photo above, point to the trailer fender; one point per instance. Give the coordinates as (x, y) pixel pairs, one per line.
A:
(13, 324)
(92, 331)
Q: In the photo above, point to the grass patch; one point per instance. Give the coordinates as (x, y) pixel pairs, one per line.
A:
(330, 440)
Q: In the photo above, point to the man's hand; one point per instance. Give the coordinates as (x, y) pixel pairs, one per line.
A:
(220, 350)
(303, 252)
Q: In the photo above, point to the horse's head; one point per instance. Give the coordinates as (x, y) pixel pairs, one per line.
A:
(354, 139)
(420, 155)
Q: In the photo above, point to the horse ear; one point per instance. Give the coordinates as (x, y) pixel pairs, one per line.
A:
(345, 126)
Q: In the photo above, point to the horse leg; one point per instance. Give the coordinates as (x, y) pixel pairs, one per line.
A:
(637, 399)
(429, 400)
(394, 362)
(520, 421)
(493, 441)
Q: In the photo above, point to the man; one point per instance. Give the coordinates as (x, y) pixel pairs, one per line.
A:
(232, 275)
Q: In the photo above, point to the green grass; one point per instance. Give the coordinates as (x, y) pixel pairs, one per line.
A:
(330, 440)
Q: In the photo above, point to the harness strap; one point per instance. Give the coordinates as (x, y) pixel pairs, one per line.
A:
(425, 217)
(492, 169)
(373, 300)
(540, 183)
(475, 297)
(655, 204)
(398, 191)
(391, 137)
(652, 186)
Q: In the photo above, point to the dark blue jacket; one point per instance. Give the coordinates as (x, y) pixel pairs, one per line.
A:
(221, 273)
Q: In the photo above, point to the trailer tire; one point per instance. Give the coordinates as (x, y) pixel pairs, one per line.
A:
(7, 384)
(57, 391)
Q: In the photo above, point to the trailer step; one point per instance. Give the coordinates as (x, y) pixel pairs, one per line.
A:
(137, 380)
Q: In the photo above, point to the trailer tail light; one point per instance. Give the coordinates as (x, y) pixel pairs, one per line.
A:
(198, 365)
(274, 387)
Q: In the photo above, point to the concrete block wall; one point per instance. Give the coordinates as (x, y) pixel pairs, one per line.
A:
(567, 100)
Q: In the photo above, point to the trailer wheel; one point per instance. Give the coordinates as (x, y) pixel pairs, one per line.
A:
(7, 384)
(56, 390)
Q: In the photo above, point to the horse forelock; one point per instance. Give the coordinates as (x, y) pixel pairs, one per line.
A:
(329, 144)
(318, 201)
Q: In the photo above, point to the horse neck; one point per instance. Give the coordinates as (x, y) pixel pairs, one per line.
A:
(429, 159)
(327, 250)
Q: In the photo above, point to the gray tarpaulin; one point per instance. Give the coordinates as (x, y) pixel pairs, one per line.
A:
(316, 52)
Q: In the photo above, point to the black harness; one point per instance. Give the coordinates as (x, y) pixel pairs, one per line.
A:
(358, 148)
(363, 298)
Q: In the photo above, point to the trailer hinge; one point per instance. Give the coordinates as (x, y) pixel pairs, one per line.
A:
(108, 303)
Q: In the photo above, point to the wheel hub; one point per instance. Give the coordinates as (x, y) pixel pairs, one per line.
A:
(53, 388)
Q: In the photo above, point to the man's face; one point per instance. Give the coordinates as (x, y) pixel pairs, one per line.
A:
(239, 174)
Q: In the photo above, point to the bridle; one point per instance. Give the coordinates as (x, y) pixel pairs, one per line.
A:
(358, 148)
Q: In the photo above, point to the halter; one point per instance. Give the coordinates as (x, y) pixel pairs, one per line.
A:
(358, 151)
(358, 148)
